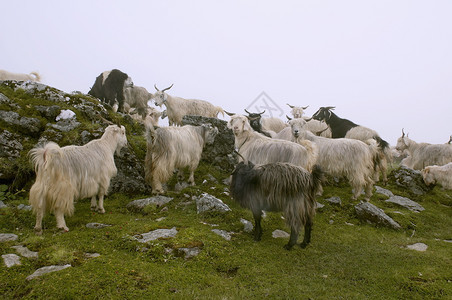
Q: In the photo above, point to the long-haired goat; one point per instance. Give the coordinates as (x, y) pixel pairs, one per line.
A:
(438, 174)
(316, 127)
(173, 147)
(343, 157)
(422, 155)
(137, 97)
(262, 150)
(6, 75)
(278, 187)
(177, 107)
(343, 128)
(66, 174)
(266, 126)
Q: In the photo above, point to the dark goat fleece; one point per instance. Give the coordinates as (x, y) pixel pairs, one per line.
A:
(110, 88)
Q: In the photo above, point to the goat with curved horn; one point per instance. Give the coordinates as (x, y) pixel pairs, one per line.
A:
(229, 113)
(291, 106)
(305, 107)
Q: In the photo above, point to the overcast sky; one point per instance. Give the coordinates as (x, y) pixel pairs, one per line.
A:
(383, 64)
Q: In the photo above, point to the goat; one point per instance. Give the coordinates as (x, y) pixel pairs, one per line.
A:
(66, 174)
(109, 87)
(343, 128)
(262, 150)
(438, 174)
(267, 126)
(177, 107)
(278, 187)
(343, 157)
(316, 127)
(174, 147)
(6, 75)
(422, 155)
(297, 111)
(137, 97)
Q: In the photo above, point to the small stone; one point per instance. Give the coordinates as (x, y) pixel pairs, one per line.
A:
(247, 225)
(380, 190)
(11, 260)
(280, 234)
(6, 237)
(91, 255)
(334, 200)
(45, 270)
(96, 225)
(319, 205)
(208, 202)
(2, 205)
(405, 202)
(25, 252)
(190, 252)
(223, 233)
(418, 247)
(156, 234)
(24, 207)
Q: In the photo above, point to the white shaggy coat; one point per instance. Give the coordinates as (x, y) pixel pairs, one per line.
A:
(438, 174)
(66, 174)
(6, 75)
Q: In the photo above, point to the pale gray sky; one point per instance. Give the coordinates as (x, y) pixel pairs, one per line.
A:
(384, 64)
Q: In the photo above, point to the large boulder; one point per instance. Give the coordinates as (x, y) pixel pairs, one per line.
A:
(410, 180)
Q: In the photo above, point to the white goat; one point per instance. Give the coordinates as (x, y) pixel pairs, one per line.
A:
(343, 157)
(297, 111)
(173, 147)
(66, 174)
(177, 107)
(6, 75)
(259, 149)
(136, 97)
(316, 127)
(438, 174)
(422, 155)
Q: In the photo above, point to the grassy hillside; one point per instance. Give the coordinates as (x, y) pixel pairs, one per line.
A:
(346, 259)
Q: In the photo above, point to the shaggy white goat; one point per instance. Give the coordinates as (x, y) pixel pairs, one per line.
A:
(422, 155)
(66, 174)
(343, 157)
(438, 174)
(177, 107)
(137, 97)
(259, 149)
(297, 111)
(6, 75)
(173, 147)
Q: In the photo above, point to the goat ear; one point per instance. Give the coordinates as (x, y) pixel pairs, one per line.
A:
(246, 125)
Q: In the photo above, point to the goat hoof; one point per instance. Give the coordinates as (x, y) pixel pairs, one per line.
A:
(288, 247)
(64, 229)
(93, 208)
(38, 231)
(303, 245)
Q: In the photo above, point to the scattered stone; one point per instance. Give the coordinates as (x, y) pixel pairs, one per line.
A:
(11, 260)
(45, 270)
(24, 207)
(370, 213)
(2, 205)
(25, 252)
(448, 241)
(334, 200)
(319, 205)
(96, 225)
(6, 237)
(180, 186)
(208, 202)
(247, 225)
(380, 190)
(160, 219)
(190, 252)
(142, 203)
(411, 180)
(223, 233)
(91, 255)
(280, 234)
(405, 202)
(418, 247)
(211, 178)
(156, 234)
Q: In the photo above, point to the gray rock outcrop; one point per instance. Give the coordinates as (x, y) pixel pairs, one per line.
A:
(370, 213)
(208, 202)
(48, 269)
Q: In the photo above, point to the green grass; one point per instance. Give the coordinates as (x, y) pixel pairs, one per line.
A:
(347, 259)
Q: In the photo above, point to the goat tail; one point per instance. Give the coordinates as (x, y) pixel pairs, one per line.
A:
(219, 110)
(43, 157)
(150, 138)
(317, 177)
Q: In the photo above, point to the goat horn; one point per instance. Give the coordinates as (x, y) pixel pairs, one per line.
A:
(229, 114)
(291, 106)
(288, 118)
(244, 159)
(105, 120)
(307, 120)
(168, 88)
(156, 88)
(403, 133)
(330, 107)
(450, 140)
(247, 112)
(305, 107)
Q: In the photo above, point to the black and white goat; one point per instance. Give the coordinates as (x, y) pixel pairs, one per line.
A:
(278, 187)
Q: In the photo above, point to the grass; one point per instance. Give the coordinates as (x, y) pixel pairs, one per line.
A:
(347, 259)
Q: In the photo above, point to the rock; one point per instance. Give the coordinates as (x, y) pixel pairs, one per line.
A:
(156, 234)
(411, 180)
(45, 270)
(220, 153)
(11, 260)
(96, 225)
(319, 205)
(2, 205)
(190, 252)
(179, 186)
(418, 247)
(6, 237)
(24, 207)
(25, 252)
(370, 213)
(380, 190)
(405, 202)
(280, 234)
(208, 202)
(142, 203)
(223, 233)
(91, 255)
(334, 200)
(247, 225)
